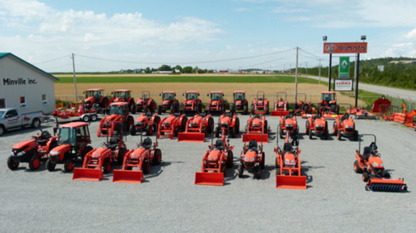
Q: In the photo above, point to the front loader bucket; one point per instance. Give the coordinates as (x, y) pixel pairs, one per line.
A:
(125, 176)
(257, 137)
(205, 178)
(291, 182)
(191, 137)
(280, 113)
(386, 185)
(87, 174)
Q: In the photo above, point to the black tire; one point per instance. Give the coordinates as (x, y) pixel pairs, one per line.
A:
(265, 126)
(175, 131)
(319, 108)
(34, 163)
(68, 165)
(386, 175)
(86, 118)
(232, 108)
(356, 135)
(183, 125)
(240, 171)
(310, 134)
(132, 130)
(104, 103)
(230, 159)
(159, 109)
(245, 109)
(337, 109)
(12, 164)
(237, 125)
(120, 156)
(217, 131)
(50, 165)
(232, 132)
(305, 109)
(357, 168)
(366, 176)
(333, 108)
(157, 158)
(156, 123)
(86, 151)
(252, 109)
(326, 131)
(335, 129)
(133, 108)
(36, 123)
(280, 131)
(93, 117)
(307, 127)
(146, 167)
(2, 130)
(263, 160)
(172, 108)
(149, 130)
(107, 166)
(210, 125)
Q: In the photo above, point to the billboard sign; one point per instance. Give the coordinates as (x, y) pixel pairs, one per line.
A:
(344, 67)
(358, 47)
(343, 85)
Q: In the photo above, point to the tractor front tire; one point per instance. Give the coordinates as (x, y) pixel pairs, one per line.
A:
(132, 130)
(12, 164)
(68, 165)
(357, 168)
(366, 176)
(50, 165)
(230, 159)
(240, 171)
(263, 158)
(245, 110)
(120, 156)
(157, 158)
(280, 131)
(107, 167)
(34, 163)
(146, 167)
(159, 109)
(237, 125)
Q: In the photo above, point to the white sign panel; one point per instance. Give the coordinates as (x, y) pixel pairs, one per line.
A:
(343, 85)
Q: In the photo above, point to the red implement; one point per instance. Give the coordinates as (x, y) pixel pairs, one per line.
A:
(125, 176)
(258, 137)
(291, 182)
(191, 137)
(87, 174)
(280, 113)
(205, 178)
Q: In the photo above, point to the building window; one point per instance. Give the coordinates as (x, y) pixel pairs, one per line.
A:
(23, 102)
(45, 99)
(2, 103)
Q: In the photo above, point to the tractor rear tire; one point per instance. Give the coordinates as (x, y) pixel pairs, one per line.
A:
(262, 160)
(149, 130)
(159, 109)
(307, 127)
(146, 167)
(232, 132)
(245, 110)
(210, 125)
(230, 160)
(280, 131)
(12, 164)
(365, 176)
(50, 165)
(333, 108)
(68, 165)
(237, 125)
(34, 163)
(217, 132)
(107, 166)
(132, 130)
(157, 158)
(120, 156)
(240, 171)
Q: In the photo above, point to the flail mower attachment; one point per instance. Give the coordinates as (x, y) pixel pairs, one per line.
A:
(387, 185)
(191, 137)
(88, 174)
(204, 178)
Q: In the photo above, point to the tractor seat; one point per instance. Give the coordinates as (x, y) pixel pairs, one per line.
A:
(373, 146)
(252, 145)
(345, 117)
(287, 147)
(45, 135)
(112, 144)
(367, 152)
(219, 145)
(147, 143)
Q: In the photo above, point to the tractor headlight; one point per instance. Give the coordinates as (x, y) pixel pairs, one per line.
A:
(349, 127)
(375, 164)
(246, 159)
(252, 159)
(165, 104)
(293, 161)
(214, 104)
(54, 153)
(209, 157)
(190, 125)
(97, 155)
(382, 165)
(21, 153)
(287, 161)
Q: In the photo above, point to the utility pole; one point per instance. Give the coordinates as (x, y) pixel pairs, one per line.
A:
(319, 71)
(296, 90)
(329, 71)
(75, 78)
(306, 69)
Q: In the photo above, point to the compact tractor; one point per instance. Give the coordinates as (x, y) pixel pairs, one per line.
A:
(124, 95)
(145, 103)
(345, 127)
(371, 166)
(95, 99)
(317, 125)
(229, 124)
(100, 160)
(328, 100)
(253, 158)
(215, 162)
(192, 104)
(197, 128)
(145, 122)
(281, 106)
(288, 124)
(119, 112)
(73, 142)
(140, 158)
(169, 102)
(260, 105)
(302, 106)
(32, 151)
(256, 129)
(216, 102)
(288, 166)
(239, 102)
(171, 125)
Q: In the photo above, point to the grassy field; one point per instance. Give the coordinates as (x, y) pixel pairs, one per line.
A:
(184, 79)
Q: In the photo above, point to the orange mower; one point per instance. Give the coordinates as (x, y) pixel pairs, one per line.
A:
(252, 158)
(229, 123)
(215, 162)
(260, 105)
(171, 125)
(145, 103)
(361, 114)
(288, 126)
(100, 160)
(281, 106)
(197, 128)
(145, 122)
(371, 166)
(256, 129)
(95, 99)
(124, 95)
(216, 102)
(169, 102)
(192, 104)
(119, 112)
(239, 102)
(317, 125)
(140, 158)
(288, 166)
(345, 127)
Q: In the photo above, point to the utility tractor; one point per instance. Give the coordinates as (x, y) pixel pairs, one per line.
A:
(302, 106)
(171, 125)
(252, 158)
(145, 122)
(124, 95)
(345, 127)
(99, 161)
(192, 104)
(145, 103)
(372, 168)
(239, 102)
(328, 99)
(288, 125)
(169, 102)
(256, 129)
(216, 102)
(197, 128)
(119, 112)
(95, 99)
(281, 106)
(229, 124)
(72, 143)
(260, 105)
(318, 126)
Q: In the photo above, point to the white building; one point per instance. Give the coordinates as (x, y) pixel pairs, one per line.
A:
(24, 86)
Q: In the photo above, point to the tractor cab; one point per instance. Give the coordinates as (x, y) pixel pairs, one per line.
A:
(121, 109)
(145, 96)
(328, 97)
(192, 95)
(216, 95)
(239, 95)
(122, 94)
(168, 96)
(73, 134)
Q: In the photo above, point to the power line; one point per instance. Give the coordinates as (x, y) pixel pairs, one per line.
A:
(312, 54)
(51, 60)
(267, 61)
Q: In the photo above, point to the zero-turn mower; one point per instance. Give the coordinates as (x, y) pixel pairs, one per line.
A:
(239, 102)
(256, 129)
(119, 112)
(124, 95)
(317, 125)
(252, 158)
(197, 128)
(281, 106)
(145, 103)
(260, 105)
(145, 122)
(169, 102)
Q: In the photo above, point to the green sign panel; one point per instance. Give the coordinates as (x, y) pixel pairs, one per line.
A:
(344, 67)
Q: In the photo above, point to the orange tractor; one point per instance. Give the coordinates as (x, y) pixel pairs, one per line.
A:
(216, 103)
(171, 125)
(288, 166)
(302, 106)
(95, 99)
(229, 124)
(140, 158)
(145, 122)
(239, 102)
(119, 112)
(328, 99)
(145, 103)
(256, 129)
(252, 158)
(73, 142)
(124, 95)
(281, 106)
(345, 127)
(288, 124)
(197, 128)
(100, 160)
(192, 104)
(215, 162)
(32, 151)
(169, 102)
(317, 125)
(371, 166)
(260, 105)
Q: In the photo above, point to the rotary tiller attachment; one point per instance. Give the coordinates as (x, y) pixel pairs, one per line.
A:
(386, 185)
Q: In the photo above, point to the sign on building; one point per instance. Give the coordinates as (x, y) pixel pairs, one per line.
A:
(344, 67)
(343, 85)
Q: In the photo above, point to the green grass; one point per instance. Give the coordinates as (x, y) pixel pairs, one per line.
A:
(188, 79)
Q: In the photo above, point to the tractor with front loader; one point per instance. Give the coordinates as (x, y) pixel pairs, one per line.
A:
(95, 99)
(371, 166)
(197, 128)
(124, 95)
(288, 126)
(260, 105)
(172, 125)
(146, 103)
(169, 102)
(145, 122)
(252, 158)
(119, 112)
(239, 102)
(192, 104)
(281, 106)
(229, 123)
(256, 129)
(318, 126)
(216, 102)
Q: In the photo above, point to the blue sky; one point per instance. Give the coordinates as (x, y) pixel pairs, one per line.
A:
(207, 34)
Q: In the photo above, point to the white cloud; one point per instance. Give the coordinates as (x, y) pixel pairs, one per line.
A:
(411, 34)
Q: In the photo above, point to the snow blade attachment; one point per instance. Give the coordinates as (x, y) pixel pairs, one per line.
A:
(205, 178)
(87, 174)
(126, 176)
(280, 113)
(258, 137)
(191, 137)
(386, 185)
(291, 182)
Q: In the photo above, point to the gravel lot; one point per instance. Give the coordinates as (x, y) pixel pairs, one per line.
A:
(168, 200)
